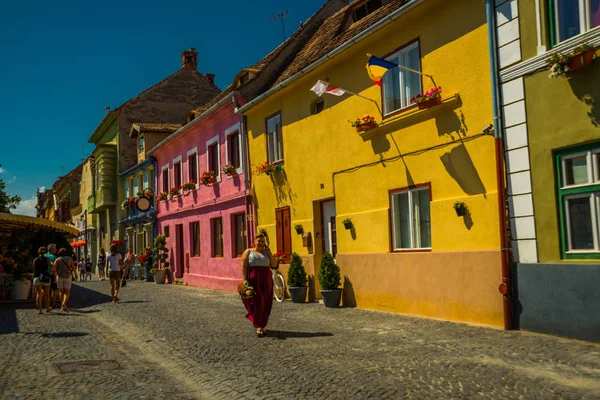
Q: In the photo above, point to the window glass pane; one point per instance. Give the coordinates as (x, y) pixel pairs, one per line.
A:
(401, 221)
(274, 144)
(165, 180)
(127, 189)
(568, 19)
(422, 218)
(580, 219)
(412, 80)
(391, 88)
(594, 13)
(145, 180)
(596, 158)
(576, 170)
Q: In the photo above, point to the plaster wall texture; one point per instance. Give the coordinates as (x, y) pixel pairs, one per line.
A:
(317, 147)
(555, 125)
(224, 199)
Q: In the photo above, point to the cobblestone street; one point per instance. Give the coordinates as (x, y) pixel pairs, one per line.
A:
(186, 343)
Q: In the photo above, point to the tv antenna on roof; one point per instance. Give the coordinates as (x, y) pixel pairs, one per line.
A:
(280, 16)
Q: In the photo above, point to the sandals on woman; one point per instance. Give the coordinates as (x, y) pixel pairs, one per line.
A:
(260, 332)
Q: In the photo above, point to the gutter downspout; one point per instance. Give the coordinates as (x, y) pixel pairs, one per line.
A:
(505, 287)
(249, 217)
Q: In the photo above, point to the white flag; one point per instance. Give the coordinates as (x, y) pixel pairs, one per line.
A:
(324, 87)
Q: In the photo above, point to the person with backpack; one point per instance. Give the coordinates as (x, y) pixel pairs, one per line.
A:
(114, 263)
(42, 277)
(67, 272)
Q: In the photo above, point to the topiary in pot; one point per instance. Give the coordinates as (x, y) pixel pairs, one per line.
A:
(161, 255)
(297, 280)
(330, 280)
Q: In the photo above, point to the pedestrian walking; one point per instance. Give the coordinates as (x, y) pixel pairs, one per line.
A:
(101, 264)
(88, 269)
(81, 269)
(67, 272)
(256, 273)
(54, 292)
(114, 263)
(128, 264)
(42, 277)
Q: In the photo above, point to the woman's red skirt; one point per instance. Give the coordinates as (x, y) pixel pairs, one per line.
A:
(259, 306)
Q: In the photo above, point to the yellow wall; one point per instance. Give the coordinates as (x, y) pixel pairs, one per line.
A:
(316, 146)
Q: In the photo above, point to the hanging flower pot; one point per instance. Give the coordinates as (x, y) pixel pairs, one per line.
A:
(460, 208)
(347, 223)
(365, 126)
(581, 59)
(434, 101)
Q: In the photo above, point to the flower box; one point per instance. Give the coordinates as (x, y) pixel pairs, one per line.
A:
(365, 126)
(581, 59)
(432, 102)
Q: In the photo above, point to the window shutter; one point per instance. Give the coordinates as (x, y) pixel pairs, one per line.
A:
(287, 232)
(279, 224)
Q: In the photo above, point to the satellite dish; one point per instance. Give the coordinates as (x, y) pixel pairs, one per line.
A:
(143, 204)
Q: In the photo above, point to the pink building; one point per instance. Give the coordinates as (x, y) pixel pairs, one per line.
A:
(206, 226)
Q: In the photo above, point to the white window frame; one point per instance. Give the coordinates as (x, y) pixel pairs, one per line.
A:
(141, 147)
(585, 23)
(166, 166)
(209, 143)
(179, 160)
(411, 218)
(416, 44)
(233, 129)
(190, 152)
(278, 139)
(594, 198)
(592, 168)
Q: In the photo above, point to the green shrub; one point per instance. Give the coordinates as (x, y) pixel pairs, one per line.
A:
(329, 273)
(161, 253)
(296, 274)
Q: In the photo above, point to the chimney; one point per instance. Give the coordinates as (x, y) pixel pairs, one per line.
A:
(189, 59)
(211, 78)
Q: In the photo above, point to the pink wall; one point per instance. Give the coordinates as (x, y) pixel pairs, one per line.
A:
(224, 199)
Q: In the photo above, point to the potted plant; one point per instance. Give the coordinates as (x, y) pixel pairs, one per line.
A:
(173, 192)
(161, 254)
(229, 170)
(364, 124)
(298, 229)
(431, 98)
(582, 56)
(267, 168)
(297, 280)
(17, 280)
(347, 223)
(188, 187)
(163, 196)
(145, 260)
(208, 178)
(330, 280)
(460, 208)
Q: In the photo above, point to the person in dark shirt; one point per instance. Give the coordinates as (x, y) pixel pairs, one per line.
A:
(42, 277)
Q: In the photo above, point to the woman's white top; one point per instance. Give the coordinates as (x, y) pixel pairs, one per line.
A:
(113, 261)
(256, 259)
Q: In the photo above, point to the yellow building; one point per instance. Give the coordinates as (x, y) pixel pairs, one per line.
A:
(82, 219)
(406, 250)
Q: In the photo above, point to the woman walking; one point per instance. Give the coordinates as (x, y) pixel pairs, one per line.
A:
(42, 277)
(256, 273)
(101, 264)
(67, 272)
(114, 262)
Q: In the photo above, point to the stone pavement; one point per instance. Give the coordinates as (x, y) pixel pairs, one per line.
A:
(187, 343)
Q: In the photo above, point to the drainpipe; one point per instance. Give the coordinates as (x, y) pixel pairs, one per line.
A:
(505, 287)
(246, 179)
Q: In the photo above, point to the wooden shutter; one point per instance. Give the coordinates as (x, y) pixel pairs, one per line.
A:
(279, 224)
(287, 232)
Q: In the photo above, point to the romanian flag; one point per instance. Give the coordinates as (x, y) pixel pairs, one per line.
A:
(377, 67)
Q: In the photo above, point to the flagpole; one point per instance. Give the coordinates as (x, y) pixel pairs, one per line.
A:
(366, 98)
(412, 70)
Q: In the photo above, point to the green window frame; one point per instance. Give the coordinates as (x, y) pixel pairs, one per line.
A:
(587, 11)
(578, 180)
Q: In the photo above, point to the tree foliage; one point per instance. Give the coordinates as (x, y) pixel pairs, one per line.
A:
(296, 274)
(7, 202)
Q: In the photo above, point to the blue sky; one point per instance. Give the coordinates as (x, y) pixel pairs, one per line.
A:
(62, 61)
